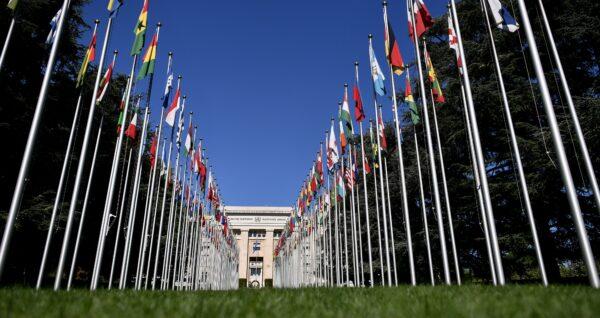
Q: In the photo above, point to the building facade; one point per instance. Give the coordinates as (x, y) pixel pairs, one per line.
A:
(257, 230)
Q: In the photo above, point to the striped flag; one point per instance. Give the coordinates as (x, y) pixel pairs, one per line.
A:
(502, 19)
(111, 5)
(343, 140)
(422, 18)
(90, 56)
(149, 59)
(131, 131)
(12, 4)
(435, 84)
(345, 117)
(392, 49)
(189, 143)
(332, 150)
(53, 23)
(140, 30)
(382, 139)
(104, 84)
(410, 101)
(169, 84)
(172, 111)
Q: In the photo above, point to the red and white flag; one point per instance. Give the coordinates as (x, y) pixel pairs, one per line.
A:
(131, 131)
(104, 84)
(172, 111)
(422, 18)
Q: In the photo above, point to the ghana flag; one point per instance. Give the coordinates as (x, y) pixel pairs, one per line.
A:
(149, 59)
(435, 84)
(410, 101)
(140, 30)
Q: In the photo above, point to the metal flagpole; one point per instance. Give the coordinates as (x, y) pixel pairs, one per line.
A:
(381, 260)
(345, 251)
(384, 207)
(565, 86)
(387, 189)
(517, 152)
(353, 220)
(366, 195)
(330, 257)
(479, 155)
(559, 147)
(359, 230)
(120, 220)
(424, 208)
(405, 208)
(59, 191)
(7, 42)
(431, 152)
(85, 202)
(31, 139)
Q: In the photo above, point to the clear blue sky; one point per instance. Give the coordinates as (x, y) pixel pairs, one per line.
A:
(263, 78)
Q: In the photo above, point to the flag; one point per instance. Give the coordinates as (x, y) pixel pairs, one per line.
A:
(373, 146)
(169, 84)
(340, 185)
(53, 24)
(500, 15)
(332, 150)
(189, 143)
(382, 139)
(12, 4)
(376, 73)
(422, 18)
(121, 119)
(392, 50)
(435, 84)
(111, 5)
(180, 126)
(345, 117)
(153, 150)
(149, 59)
(359, 112)
(343, 140)
(90, 56)
(131, 131)
(104, 83)
(172, 111)
(140, 30)
(453, 41)
(410, 101)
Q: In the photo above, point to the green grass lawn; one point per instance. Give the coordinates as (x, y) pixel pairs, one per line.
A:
(466, 301)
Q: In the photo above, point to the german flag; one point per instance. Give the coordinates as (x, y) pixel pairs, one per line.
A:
(392, 50)
(90, 56)
(149, 59)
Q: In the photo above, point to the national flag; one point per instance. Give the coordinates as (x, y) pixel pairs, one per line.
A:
(373, 146)
(436, 89)
(180, 126)
(111, 5)
(366, 166)
(12, 4)
(189, 143)
(140, 30)
(382, 139)
(453, 41)
(376, 73)
(502, 18)
(332, 150)
(422, 18)
(410, 101)
(345, 117)
(392, 49)
(149, 59)
(319, 165)
(53, 24)
(169, 83)
(90, 56)
(131, 131)
(341, 191)
(343, 140)
(104, 83)
(121, 119)
(153, 150)
(359, 112)
(172, 111)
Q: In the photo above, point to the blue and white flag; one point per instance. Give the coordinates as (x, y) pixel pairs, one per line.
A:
(53, 24)
(376, 73)
(168, 85)
(502, 18)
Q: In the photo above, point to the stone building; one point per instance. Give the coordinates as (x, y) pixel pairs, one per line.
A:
(257, 229)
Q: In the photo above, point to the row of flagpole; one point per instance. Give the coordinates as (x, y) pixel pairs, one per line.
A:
(321, 204)
(200, 251)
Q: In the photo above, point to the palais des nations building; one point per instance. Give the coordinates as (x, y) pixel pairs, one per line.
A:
(257, 230)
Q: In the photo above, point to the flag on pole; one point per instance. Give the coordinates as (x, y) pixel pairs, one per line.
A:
(53, 24)
(121, 119)
(376, 73)
(131, 131)
(345, 117)
(172, 111)
(340, 185)
(149, 59)
(373, 146)
(332, 150)
(382, 139)
(359, 112)
(422, 18)
(189, 143)
(453, 41)
(343, 140)
(502, 18)
(111, 5)
(12, 4)
(410, 101)
(90, 56)
(435, 84)
(169, 84)
(104, 83)
(392, 49)
(153, 150)
(180, 126)
(140, 30)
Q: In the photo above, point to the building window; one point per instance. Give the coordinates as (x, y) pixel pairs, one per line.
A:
(255, 271)
(236, 232)
(257, 233)
(277, 234)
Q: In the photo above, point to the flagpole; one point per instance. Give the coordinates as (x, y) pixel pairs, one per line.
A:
(375, 167)
(431, 152)
(31, 139)
(7, 41)
(330, 258)
(120, 220)
(346, 265)
(359, 230)
(565, 86)
(85, 202)
(384, 207)
(353, 220)
(559, 146)
(387, 189)
(59, 191)
(517, 152)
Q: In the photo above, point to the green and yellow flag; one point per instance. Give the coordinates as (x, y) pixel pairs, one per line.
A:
(140, 30)
(410, 101)
(12, 4)
(90, 56)
(435, 84)
(111, 5)
(149, 59)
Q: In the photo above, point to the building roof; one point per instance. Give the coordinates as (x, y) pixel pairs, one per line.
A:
(231, 209)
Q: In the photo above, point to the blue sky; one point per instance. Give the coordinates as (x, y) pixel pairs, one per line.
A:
(263, 78)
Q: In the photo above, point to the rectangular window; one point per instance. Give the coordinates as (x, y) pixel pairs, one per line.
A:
(257, 233)
(277, 233)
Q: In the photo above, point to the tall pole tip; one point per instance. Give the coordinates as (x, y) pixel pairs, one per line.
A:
(170, 53)
(339, 103)
(179, 77)
(115, 52)
(370, 36)
(159, 24)
(346, 85)
(97, 21)
(384, 3)
(184, 96)
(356, 63)
(191, 113)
